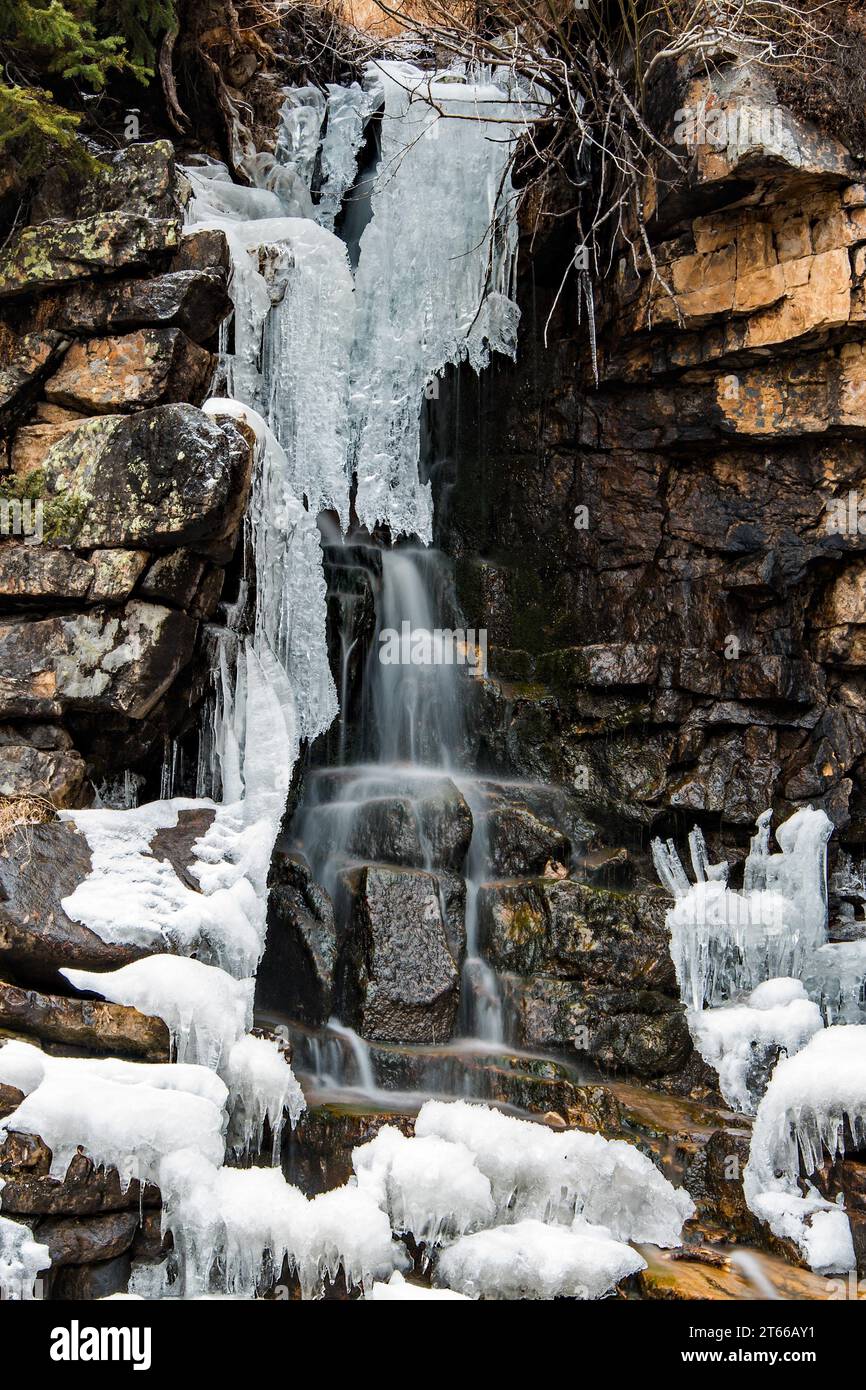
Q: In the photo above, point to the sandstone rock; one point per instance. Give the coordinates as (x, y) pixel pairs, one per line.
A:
(83, 1241)
(400, 979)
(151, 366)
(82, 1023)
(84, 1191)
(40, 865)
(167, 477)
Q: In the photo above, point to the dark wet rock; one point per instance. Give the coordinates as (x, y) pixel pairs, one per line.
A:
(10, 1099)
(400, 980)
(138, 178)
(148, 367)
(318, 1155)
(519, 843)
(40, 865)
(84, 1283)
(296, 973)
(166, 477)
(618, 663)
(173, 578)
(452, 900)
(92, 1025)
(576, 931)
(26, 361)
(203, 250)
(852, 1183)
(149, 1245)
(174, 843)
(639, 1032)
(195, 301)
(86, 1241)
(426, 824)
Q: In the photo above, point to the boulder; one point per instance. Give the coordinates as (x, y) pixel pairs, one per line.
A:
(173, 578)
(164, 478)
(91, 1025)
(34, 573)
(54, 253)
(296, 975)
(398, 976)
(639, 1032)
(195, 301)
(149, 367)
(122, 661)
(424, 823)
(84, 1241)
(88, 1282)
(115, 574)
(57, 775)
(26, 360)
(519, 843)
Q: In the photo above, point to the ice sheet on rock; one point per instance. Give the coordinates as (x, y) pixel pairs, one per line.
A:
(400, 1290)
(263, 1088)
(554, 1175)
(835, 977)
(812, 1101)
(127, 1127)
(725, 942)
(26, 1067)
(205, 1010)
(290, 621)
(437, 244)
(233, 1230)
(294, 306)
(429, 1186)
(538, 1261)
(22, 1258)
(131, 897)
(743, 1041)
(331, 129)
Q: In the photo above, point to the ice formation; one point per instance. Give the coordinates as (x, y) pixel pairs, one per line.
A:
(25, 1067)
(724, 941)
(743, 1041)
(263, 1089)
(429, 1187)
(240, 1226)
(532, 1260)
(554, 1175)
(813, 1100)
(21, 1260)
(434, 279)
(205, 1010)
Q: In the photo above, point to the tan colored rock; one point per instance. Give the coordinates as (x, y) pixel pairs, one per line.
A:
(40, 572)
(32, 442)
(148, 367)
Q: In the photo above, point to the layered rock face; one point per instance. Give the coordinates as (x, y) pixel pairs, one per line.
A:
(120, 501)
(671, 564)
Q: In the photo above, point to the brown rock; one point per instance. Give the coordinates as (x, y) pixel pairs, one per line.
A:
(151, 366)
(57, 775)
(83, 1023)
(84, 1240)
